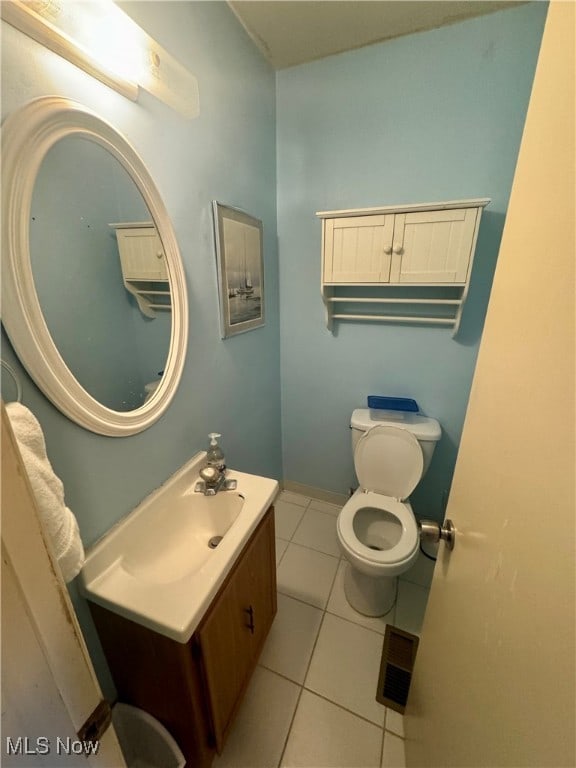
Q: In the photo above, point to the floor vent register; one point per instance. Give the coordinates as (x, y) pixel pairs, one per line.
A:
(398, 656)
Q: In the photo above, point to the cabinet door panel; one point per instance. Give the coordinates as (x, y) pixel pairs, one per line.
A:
(434, 246)
(225, 649)
(256, 586)
(141, 254)
(357, 249)
(232, 634)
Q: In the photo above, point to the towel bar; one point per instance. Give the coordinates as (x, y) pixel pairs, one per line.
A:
(398, 319)
(360, 300)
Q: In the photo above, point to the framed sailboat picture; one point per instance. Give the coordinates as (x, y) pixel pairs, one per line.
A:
(240, 262)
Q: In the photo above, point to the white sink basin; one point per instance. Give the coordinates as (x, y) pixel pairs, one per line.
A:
(168, 546)
(162, 565)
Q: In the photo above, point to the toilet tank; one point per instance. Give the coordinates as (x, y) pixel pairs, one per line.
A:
(425, 429)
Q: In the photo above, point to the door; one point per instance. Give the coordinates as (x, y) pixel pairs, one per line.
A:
(49, 687)
(494, 682)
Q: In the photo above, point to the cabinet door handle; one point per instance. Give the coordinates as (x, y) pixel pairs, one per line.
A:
(398, 248)
(159, 254)
(387, 249)
(250, 612)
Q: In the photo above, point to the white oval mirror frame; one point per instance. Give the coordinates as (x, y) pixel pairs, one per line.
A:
(27, 135)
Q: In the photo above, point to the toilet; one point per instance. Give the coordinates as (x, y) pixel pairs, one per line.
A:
(376, 528)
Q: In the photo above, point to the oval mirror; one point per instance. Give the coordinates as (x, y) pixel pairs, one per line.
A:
(93, 292)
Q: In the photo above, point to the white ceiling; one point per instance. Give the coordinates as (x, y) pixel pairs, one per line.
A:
(296, 31)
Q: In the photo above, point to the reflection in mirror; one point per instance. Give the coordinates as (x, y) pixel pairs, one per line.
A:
(69, 221)
(113, 337)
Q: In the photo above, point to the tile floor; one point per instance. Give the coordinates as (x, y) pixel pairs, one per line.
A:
(311, 701)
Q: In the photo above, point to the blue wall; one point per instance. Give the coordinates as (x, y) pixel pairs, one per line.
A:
(428, 117)
(227, 154)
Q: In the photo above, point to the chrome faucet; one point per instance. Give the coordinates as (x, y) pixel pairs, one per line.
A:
(214, 480)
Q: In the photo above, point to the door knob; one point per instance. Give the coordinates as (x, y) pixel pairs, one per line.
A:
(433, 532)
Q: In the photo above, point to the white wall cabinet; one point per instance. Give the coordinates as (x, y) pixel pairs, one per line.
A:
(416, 259)
(144, 268)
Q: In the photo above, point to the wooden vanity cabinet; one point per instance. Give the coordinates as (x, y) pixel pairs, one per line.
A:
(194, 689)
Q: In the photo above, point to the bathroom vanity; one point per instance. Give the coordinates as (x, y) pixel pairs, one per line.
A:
(182, 624)
(194, 688)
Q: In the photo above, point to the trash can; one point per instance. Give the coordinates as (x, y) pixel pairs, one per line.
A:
(144, 741)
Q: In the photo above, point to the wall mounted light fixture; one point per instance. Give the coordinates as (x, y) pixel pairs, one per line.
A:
(105, 42)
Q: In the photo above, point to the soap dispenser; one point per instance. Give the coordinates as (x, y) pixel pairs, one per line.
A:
(214, 455)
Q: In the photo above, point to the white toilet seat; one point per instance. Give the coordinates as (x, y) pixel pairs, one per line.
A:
(400, 554)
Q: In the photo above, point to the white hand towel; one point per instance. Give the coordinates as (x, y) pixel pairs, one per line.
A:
(58, 521)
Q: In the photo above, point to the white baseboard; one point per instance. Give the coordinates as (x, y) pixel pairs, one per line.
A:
(315, 493)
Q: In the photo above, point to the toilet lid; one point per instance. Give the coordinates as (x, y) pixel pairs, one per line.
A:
(389, 460)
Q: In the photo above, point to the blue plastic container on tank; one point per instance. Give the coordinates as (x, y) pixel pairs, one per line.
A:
(380, 403)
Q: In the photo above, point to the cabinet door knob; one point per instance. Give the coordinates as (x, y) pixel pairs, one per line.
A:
(398, 248)
(387, 249)
(159, 255)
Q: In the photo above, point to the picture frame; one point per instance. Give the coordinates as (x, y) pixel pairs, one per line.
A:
(240, 266)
